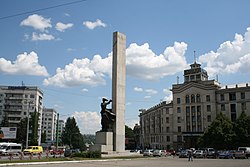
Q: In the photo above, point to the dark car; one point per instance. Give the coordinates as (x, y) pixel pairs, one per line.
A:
(225, 155)
(69, 152)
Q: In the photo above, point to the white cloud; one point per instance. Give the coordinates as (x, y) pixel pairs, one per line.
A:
(230, 57)
(62, 27)
(151, 91)
(141, 63)
(147, 97)
(144, 64)
(25, 64)
(88, 122)
(37, 22)
(42, 37)
(82, 72)
(137, 89)
(93, 25)
(131, 123)
(84, 90)
(169, 96)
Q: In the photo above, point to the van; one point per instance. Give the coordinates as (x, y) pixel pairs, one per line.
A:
(246, 150)
(33, 150)
(10, 148)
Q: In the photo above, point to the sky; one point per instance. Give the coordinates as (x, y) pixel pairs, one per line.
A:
(65, 48)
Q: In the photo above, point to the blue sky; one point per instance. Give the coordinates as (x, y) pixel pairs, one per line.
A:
(66, 51)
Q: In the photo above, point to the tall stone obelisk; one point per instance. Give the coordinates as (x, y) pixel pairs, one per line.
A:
(119, 90)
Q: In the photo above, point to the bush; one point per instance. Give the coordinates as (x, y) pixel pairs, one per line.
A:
(89, 154)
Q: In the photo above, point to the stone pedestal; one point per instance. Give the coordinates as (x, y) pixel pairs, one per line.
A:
(104, 142)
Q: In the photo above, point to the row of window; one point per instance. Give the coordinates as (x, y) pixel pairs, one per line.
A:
(197, 98)
(193, 99)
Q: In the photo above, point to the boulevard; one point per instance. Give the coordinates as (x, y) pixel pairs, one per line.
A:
(144, 162)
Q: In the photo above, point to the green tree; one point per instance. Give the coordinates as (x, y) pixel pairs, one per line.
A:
(71, 135)
(220, 134)
(34, 128)
(5, 121)
(22, 131)
(242, 130)
(129, 133)
(43, 137)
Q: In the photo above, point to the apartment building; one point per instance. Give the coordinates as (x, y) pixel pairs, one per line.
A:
(17, 102)
(196, 102)
(49, 124)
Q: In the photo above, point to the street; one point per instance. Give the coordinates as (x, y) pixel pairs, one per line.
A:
(147, 162)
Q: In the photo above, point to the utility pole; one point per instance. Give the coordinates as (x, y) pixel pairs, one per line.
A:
(28, 122)
(57, 131)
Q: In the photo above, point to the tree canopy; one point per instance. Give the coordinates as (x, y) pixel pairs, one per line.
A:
(71, 135)
(225, 134)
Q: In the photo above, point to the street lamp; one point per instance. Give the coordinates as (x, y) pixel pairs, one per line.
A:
(27, 132)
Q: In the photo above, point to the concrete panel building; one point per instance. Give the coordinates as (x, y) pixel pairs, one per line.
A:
(16, 102)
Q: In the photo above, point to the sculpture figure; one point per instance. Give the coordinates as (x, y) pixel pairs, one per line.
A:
(107, 116)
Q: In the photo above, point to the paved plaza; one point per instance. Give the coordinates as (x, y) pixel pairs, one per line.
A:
(147, 162)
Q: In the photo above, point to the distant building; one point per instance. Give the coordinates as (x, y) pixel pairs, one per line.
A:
(49, 123)
(60, 129)
(196, 102)
(16, 102)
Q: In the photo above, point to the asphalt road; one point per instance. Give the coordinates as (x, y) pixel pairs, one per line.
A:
(148, 162)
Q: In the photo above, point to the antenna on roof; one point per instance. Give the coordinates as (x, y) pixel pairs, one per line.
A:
(177, 79)
(23, 83)
(194, 57)
(217, 78)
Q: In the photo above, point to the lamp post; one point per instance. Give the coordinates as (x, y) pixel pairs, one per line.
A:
(27, 132)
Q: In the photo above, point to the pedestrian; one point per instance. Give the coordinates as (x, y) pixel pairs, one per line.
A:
(190, 155)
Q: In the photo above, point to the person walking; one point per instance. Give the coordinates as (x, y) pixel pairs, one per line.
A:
(190, 155)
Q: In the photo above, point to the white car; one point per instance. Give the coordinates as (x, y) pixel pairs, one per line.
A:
(148, 153)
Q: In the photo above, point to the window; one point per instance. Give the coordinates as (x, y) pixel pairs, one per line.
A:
(242, 95)
(243, 106)
(209, 118)
(222, 107)
(178, 109)
(232, 96)
(208, 98)
(167, 119)
(179, 128)
(192, 78)
(32, 96)
(168, 138)
(198, 98)
(192, 99)
(208, 108)
(178, 119)
(187, 99)
(179, 138)
(222, 98)
(167, 129)
(178, 100)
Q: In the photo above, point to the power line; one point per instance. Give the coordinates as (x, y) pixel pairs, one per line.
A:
(42, 9)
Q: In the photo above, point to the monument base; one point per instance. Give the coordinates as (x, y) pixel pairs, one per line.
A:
(104, 142)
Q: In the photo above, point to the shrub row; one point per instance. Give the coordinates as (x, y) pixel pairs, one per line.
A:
(89, 154)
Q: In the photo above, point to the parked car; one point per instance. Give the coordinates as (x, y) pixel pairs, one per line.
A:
(159, 153)
(148, 153)
(33, 150)
(246, 150)
(225, 155)
(199, 154)
(211, 153)
(240, 154)
(183, 154)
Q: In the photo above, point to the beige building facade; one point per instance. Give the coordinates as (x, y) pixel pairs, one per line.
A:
(17, 102)
(195, 104)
